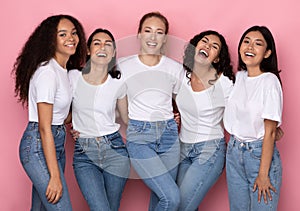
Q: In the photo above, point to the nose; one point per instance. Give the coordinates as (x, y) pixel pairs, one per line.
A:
(71, 37)
(153, 36)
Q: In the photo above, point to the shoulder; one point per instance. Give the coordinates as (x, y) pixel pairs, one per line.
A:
(270, 80)
(225, 81)
(172, 62)
(74, 73)
(127, 59)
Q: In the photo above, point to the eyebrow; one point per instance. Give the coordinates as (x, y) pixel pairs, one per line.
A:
(261, 40)
(214, 43)
(148, 27)
(104, 41)
(64, 30)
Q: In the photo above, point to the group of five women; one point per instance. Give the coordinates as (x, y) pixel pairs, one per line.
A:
(179, 168)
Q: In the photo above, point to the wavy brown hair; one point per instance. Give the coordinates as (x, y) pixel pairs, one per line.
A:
(40, 48)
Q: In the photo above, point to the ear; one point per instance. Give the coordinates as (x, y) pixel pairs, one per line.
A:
(267, 54)
(114, 53)
(165, 39)
(139, 35)
(216, 60)
(88, 52)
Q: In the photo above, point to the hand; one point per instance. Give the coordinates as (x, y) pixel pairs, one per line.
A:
(279, 134)
(74, 133)
(54, 190)
(263, 185)
(177, 118)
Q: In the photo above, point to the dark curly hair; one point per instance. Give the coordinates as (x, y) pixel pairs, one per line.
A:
(269, 64)
(222, 66)
(112, 66)
(41, 47)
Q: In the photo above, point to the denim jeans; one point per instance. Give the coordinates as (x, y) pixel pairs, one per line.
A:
(101, 167)
(200, 167)
(153, 149)
(242, 166)
(33, 161)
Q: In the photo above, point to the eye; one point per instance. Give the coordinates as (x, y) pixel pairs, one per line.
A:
(74, 33)
(246, 41)
(160, 32)
(96, 43)
(62, 34)
(204, 41)
(259, 43)
(147, 31)
(216, 47)
(109, 44)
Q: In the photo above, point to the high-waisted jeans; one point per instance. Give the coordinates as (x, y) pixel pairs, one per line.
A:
(153, 149)
(201, 165)
(242, 167)
(101, 167)
(33, 161)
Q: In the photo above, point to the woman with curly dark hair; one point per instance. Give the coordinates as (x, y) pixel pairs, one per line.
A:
(201, 102)
(42, 84)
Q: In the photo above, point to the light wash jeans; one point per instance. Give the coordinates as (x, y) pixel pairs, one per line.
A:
(153, 149)
(101, 167)
(242, 166)
(33, 161)
(200, 167)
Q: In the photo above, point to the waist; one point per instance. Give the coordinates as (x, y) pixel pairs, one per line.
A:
(247, 145)
(105, 138)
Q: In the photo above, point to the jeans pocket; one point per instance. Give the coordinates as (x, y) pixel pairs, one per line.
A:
(138, 128)
(172, 127)
(256, 153)
(80, 147)
(24, 149)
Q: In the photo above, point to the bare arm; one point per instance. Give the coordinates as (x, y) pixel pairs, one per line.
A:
(122, 106)
(262, 182)
(54, 189)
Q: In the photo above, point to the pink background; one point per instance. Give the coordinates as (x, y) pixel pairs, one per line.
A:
(187, 17)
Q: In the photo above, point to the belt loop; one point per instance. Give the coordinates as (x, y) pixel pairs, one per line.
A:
(144, 126)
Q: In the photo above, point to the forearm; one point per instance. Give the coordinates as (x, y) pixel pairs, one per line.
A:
(48, 146)
(267, 149)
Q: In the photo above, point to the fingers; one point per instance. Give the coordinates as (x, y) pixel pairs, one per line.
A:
(53, 195)
(265, 193)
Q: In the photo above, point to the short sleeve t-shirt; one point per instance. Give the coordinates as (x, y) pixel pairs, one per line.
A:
(150, 88)
(93, 106)
(202, 112)
(50, 84)
(252, 100)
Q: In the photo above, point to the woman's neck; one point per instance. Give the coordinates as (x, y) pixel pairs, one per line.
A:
(202, 77)
(254, 71)
(97, 75)
(150, 59)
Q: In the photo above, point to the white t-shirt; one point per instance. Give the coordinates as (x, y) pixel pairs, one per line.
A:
(93, 106)
(202, 112)
(150, 88)
(50, 84)
(252, 100)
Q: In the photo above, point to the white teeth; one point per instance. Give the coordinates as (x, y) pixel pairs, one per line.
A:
(70, 45)
(152, 43)
(249, 54)
(101, 54)
(204, 53)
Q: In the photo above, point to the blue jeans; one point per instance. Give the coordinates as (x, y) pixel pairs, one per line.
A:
(200, 167)
(101, 167)
(242, 166)
(33, 161)
(153, 149)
